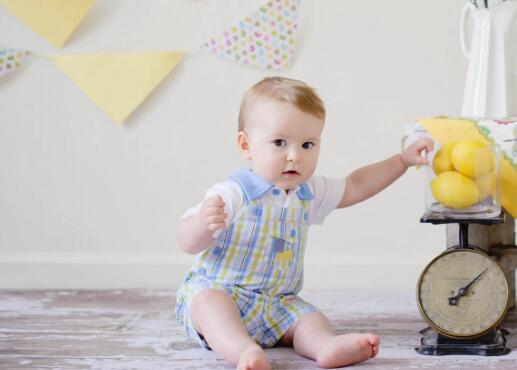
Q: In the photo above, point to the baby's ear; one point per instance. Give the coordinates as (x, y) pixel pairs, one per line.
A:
(243, 144)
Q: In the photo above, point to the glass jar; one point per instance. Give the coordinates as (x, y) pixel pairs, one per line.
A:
(463, 179)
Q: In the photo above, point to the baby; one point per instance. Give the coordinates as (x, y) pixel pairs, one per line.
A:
(250, 233)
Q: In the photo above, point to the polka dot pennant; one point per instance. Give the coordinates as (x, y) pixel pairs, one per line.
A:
(265, 39)
(11, 59)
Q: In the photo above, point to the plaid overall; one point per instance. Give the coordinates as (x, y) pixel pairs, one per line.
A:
(258, 260)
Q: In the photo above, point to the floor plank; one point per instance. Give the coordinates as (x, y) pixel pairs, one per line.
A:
(136, 329)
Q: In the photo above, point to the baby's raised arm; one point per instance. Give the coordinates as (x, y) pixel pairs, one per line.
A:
(195, 233)
(367, 181)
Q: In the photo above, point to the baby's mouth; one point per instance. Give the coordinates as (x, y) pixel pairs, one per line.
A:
(291, 172)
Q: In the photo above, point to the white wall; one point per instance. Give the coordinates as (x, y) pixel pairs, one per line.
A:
(85, 203)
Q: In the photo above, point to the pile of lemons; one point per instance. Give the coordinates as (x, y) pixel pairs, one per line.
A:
(464, 173)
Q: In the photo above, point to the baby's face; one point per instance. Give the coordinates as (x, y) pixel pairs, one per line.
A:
(282, 142)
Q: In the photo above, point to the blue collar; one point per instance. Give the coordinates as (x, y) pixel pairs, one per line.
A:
(254, 186)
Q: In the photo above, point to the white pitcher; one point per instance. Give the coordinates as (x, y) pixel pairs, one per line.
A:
(489, 75)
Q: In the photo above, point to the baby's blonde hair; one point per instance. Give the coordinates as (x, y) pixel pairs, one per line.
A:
(296, 92)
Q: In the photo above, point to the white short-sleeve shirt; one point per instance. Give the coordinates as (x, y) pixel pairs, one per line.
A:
(327, 194)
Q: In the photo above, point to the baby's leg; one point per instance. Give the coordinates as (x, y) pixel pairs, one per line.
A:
(314, 338)
(215, 315)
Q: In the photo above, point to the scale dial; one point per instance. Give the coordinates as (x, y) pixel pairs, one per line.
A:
(463, 293)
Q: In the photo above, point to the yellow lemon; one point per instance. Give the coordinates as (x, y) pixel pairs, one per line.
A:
(454, 190)
(472, 158)
(485, 184)
(442, 159)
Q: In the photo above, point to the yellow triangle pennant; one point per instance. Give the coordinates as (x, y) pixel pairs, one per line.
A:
(118, 83)
(54, 20)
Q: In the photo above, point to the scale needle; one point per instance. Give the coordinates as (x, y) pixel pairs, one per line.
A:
(453, 301)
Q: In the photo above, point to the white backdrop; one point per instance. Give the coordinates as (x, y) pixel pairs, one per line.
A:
(85, 203)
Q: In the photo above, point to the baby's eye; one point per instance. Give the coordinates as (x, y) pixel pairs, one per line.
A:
(307, 145)
(279, 142)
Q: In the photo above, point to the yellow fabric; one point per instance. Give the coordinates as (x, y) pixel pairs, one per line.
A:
(118, 83)
(54, 20)
(445, 130)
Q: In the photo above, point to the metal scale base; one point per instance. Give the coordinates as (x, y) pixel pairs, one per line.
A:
(492, 343)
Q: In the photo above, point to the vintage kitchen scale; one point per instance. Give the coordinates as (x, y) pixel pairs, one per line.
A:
(463, 294)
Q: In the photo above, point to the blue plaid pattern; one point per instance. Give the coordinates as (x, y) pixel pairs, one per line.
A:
(258, 260)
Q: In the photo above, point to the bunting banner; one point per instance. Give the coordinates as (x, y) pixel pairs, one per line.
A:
(11, 59)
(118, 83)
(265, 39)
(54, 20)
(501, 132)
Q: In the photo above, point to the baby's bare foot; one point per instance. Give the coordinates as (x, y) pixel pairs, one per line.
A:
(253, 358)
(347, 349)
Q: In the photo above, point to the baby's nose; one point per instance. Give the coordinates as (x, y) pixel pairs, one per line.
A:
(293, 155)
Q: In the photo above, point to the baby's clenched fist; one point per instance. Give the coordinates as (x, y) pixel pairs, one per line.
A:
(412, 155)
(212, 213)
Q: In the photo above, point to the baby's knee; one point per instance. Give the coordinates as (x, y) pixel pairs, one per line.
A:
(211, 305)
(203, 304)
(207, 297)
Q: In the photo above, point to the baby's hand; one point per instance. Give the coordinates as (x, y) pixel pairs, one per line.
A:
(212, 213)
(412, 155)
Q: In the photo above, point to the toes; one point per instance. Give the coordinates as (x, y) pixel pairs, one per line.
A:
(255, 363)
(370, 343)
(258, 362)
(373, 339)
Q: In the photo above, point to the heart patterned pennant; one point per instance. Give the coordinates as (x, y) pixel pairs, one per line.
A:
(265, 39)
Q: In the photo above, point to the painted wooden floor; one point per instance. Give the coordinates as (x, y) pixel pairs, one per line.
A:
(136, 329)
